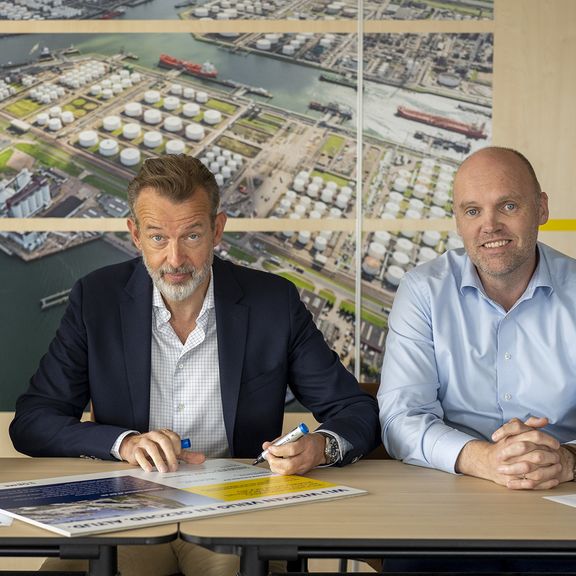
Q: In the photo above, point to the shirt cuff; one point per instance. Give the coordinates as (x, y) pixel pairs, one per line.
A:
(445, 450)
(115, 450)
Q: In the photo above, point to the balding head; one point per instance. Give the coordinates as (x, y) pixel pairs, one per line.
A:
(505, 164)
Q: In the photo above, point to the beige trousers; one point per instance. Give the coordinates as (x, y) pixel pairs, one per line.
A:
(164, 560)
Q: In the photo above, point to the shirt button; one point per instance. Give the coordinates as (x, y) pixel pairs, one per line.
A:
(507, 356)
(507, 396)
(180, 366)
(180, 407)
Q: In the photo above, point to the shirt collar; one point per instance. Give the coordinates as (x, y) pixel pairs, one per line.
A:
(540, 279)
(163, 315)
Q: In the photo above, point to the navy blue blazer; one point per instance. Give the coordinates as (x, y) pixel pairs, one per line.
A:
(266, 341)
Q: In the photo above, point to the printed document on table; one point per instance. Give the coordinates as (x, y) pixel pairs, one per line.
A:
(110, 501)
(5, 520)
(567, 499)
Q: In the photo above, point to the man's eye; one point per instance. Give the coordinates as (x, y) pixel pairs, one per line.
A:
(156, 238)
(510, 206)
(471, 212)
(193, 236)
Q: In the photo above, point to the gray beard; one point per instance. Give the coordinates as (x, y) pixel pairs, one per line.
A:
(179, 292)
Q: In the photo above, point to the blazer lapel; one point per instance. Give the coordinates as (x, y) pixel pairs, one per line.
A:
(136, 318)
(231, 327)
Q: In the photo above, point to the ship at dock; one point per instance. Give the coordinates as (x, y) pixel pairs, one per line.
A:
(470, 130)
(338, 79)
(205, 70)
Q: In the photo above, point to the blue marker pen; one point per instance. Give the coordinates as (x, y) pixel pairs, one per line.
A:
(292, 436)
(185, 443)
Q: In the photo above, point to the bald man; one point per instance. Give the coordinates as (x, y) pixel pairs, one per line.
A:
(479, 376)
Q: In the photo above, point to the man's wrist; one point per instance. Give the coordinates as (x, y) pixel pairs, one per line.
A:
(571, 449)
(332, 453)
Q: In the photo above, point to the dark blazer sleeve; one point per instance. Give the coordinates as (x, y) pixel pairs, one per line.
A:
(82, 364)
(322, 384)
(282, 347)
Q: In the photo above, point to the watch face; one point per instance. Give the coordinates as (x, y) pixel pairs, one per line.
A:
(331, 450)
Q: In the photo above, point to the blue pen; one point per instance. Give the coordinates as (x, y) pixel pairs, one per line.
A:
(292, 436)
(185, 443)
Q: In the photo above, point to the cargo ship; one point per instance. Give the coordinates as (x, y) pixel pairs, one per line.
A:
(470, 130)
(205, 70)
(338, 79)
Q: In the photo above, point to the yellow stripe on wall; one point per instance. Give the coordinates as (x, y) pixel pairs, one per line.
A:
(566, 225)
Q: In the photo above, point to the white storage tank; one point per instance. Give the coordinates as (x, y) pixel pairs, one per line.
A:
(67, 117)
(54, 124)
(420, 191)
(133, 109)
(171, 103)
(131, 130)
(436, 212)
(405, 245)
(335, 213)
(392, 208)
(42, 119)
(426, 254)
(304, 175)
(395, 197)
(431, 238)
(152, 139)
(328, 195)
(290, 195)
(191, 109)
(440, 198)
(285, 204)
(416, 204)
(400, 259)
(108, 147)
(96, 90)
(195, 132)
(88, 138)
(320, 207)
(370, 266)
(152, 96)
(454, 242)
(111, 123)
(288, 50)
(400, 184)
(107, 94)
(320, 243)
(201, 97)
(173, 124)
(394, 275)
(376, 250)
(300, 209)
(313, 190)
(55, 112)
(176, 89)
(304, 237)
(175, 147)
(152, 116)
(342, 201)
(299, 184)
(188, 93)
(382, 237)
(212, 117)
(263, 44)
(130, 157)
(315, 215)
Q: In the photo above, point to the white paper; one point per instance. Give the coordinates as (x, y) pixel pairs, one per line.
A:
(5, 520)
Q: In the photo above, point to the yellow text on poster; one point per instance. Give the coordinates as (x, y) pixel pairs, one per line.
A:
(258, 487)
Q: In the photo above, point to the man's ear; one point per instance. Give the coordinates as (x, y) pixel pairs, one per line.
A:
(134, 233)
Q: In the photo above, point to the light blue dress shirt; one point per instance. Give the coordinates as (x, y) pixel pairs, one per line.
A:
(458, 366)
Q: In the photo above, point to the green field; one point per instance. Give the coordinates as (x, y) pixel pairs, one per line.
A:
(107, 183)
(331, 178)
(5, 158)
(22, 108)
(224, 107)
(332, 145)
(468, 10)
(259, 124)
(241, 255)
(51, 157)
(297, 281)
(328, 295)
(238, 147)
(375, 319)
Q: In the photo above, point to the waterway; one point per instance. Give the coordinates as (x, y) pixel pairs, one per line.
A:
(25, 330)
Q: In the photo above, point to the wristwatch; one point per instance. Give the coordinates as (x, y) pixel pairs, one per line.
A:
(331, 448)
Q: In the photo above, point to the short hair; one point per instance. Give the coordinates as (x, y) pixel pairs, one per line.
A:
(176, 177)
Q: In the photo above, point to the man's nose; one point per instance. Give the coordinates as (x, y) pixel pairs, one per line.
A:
(491, 221)
(175, 255)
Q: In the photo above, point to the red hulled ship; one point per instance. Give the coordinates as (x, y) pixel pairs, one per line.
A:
(470, 130)
(205, 70)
